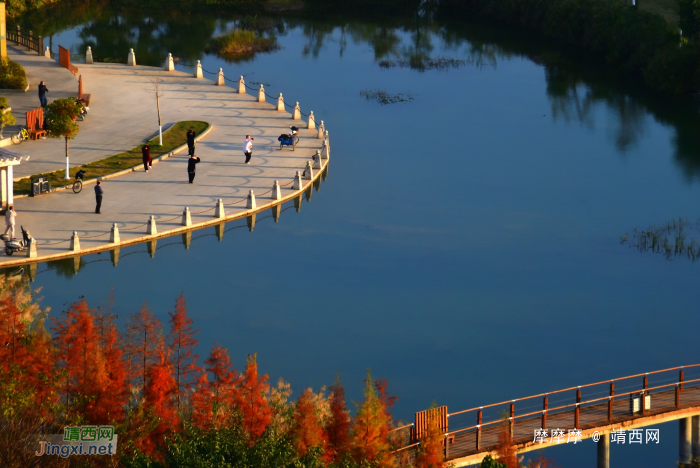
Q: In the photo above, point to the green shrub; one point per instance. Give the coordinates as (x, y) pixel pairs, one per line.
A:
(12, 75)
(240, 45)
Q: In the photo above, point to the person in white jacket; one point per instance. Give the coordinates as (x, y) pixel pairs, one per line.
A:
(10, 221)
(248, 148)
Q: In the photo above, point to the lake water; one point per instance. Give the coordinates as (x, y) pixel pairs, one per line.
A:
(466, 245)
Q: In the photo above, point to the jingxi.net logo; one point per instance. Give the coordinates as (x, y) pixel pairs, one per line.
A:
(77, 440)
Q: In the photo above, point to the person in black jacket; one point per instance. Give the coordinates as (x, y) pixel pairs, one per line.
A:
(98, 196)
(42, 94)
(191, 166)
(190, 140)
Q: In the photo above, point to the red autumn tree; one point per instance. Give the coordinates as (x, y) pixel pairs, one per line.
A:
(370, 431)
(158, 396)
(307, 431)
(78, 342)
(505, 450)
(213, 400)
(430, 451)
(145, 343)
(257, 414)
(338, 428)
(181, 342)
(115, 397)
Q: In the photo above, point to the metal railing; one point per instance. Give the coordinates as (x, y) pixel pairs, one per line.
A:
(32, 43)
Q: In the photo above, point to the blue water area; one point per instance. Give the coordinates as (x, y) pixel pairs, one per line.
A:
(466, 244)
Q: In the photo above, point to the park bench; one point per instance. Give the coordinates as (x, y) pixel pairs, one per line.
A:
(35, 123)
(82, 97)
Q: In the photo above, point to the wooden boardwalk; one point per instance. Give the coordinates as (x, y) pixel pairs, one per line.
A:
(469, 436)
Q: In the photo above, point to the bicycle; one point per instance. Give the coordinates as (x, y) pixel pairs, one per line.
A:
(78, 184)
(20, 136)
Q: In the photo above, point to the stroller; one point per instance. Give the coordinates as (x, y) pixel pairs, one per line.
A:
(16, 245)
(289, 139)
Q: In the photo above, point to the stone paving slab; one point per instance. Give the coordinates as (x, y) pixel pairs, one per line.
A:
(164, 191)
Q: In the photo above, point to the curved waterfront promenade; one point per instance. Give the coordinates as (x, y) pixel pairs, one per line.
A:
(163, 192)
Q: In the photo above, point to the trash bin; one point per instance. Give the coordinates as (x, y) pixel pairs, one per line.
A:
(39, 186)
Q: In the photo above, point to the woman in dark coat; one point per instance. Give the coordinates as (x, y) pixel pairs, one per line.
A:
(146, 153)
(192, 166)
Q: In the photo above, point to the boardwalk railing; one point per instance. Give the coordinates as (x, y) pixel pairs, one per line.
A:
(600, 404)
(32, 43)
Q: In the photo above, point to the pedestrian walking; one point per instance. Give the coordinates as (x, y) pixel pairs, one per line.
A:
(248, 148)
(191, 166)
(146, 157)
(190, 141)
(10, 221)
(98, 196)
(42, 94)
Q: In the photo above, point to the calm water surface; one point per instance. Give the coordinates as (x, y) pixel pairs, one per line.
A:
(466, 245)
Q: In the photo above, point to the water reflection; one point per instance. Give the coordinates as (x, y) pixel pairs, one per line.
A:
(677, 239)
(69, 267)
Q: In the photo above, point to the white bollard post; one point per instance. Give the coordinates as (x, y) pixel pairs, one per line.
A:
(186, 218)
(261, 94)
(88, 55)
(152, 230)
(321, 130)
(220, 81)
(169, 63)
(114, 235)
(312, 122)
(74, 242)
(220, 213)
(198, 70)
(325, 150)
(280, 103)
(308, 171)
(31, 248)
(47, 52)
(276, 193)
(296, 114)
(317, 160)
(250, 202)
(327, 138)
(297, 181)
(241, 86)
(131, 61)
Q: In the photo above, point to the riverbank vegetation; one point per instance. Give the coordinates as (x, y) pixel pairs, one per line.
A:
(169, 407)
(242, 45)
(172, 138)
(631, 41)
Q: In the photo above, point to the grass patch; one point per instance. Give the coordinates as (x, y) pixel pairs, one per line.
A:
(175, 136)
(12, 75)
(240, 45)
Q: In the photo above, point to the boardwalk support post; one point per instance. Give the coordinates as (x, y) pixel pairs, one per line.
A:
(308, 171)
(512, 418)
(276, 193)
(131, 60)
(31, 248)
(169, 63)
(695, 435)
(604, 451)
(261, 94)
(576, 413)
(280, 103)
(296, 113)
(198, 70)
(447, 444)
(241, 86)
(544, 413)
(88, 55)
(678, 396)
(297, 181)
(680, 377)
(312, 121)
(220, 80)
(610, 400)
(186, 218)
(478, 429)
(684, 441)
(321, 131)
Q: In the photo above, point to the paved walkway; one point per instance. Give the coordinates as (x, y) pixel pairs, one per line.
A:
(122, 113)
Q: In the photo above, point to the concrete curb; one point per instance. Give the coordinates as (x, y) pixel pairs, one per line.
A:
(179, 230)
(128, 170)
